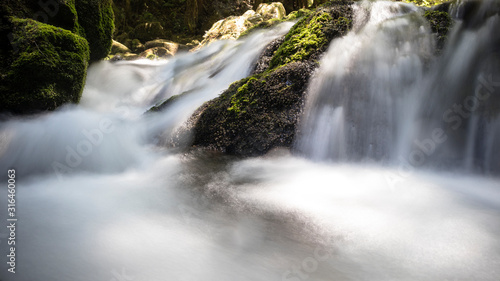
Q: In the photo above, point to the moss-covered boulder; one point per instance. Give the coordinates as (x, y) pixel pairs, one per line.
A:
(45, 48)
(255, 114)
(47, 69)
(96, 20)
(310, 36)
(261, 112)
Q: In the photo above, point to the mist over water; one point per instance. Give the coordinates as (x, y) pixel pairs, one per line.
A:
(100, 199)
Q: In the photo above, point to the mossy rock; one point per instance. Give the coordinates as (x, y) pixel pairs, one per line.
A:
(255, 114)
(96, 20)
(311, 35)
(261, 112)
(60, 13)
(48, 68)
(440, 23)
(273, 10)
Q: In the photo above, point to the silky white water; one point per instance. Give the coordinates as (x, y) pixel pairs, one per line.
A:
(99, 197)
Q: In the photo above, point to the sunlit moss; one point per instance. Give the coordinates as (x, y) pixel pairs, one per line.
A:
(427, 3)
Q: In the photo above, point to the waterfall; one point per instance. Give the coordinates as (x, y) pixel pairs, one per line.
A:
(98, 197)
(382, 94)
(115, 97)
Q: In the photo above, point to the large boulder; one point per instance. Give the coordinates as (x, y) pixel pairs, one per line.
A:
(261, 112)
(47, 69)
(96, 20)
(45, 48)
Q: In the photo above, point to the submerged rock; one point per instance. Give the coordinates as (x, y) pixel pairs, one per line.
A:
(96, 20)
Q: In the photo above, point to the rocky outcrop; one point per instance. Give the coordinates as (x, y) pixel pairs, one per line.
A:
(95, 18)
(172, 47)
(45, 49)
(235, 26)
(261, 112)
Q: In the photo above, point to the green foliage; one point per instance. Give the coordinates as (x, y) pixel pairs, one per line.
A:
(48, 69)
(96, 19)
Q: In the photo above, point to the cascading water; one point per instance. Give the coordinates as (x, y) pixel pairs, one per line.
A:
(358, 100)
(116, 206)
(382, 95)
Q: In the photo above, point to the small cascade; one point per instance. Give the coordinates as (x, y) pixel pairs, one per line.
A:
(383, 93)
(359, 99)
(74, 139)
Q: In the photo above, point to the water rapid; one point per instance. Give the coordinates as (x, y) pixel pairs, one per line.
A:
(101, 198)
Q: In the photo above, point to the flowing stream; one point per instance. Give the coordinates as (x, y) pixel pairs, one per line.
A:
(388, 179)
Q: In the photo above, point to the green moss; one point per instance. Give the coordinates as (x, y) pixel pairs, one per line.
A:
(308, 36)
(427, 3)
(47, 70)
(440, 23)
(241, 99)
(273, 22)
(96, 21)
(260, 112)
(298, 14)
